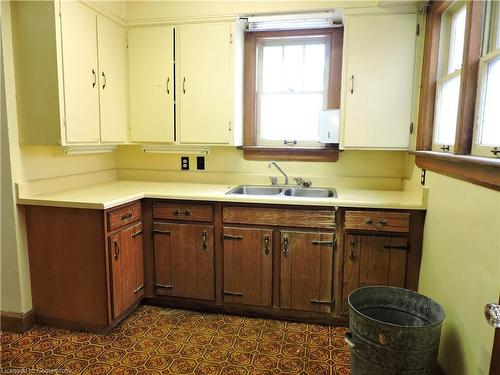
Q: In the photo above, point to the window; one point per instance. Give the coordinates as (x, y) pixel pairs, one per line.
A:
(292, 84)
(458, 104)
(290, 76)
(487, 121)
(448, 84)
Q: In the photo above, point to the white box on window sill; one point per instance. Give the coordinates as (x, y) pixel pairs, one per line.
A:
(329, 125)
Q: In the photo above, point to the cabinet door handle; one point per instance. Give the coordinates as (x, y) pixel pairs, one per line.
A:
(317, 301)
(168, 85)
(137, 233)
(105, 80)
(285, 246)
(352, 256)
(139, 288)
(158, 285)
(184, 85)
(266, 244)
(204, 238)
(323, 243)
(396, 247)
(182, 212)
(236, 294)
(352, 84)
(95, 78)
(116, 248)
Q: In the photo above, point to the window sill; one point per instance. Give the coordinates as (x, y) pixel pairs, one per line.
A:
(327, 154)
(478, 170)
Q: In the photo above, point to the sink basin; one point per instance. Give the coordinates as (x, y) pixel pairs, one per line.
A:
(310, 192)
(256, 190)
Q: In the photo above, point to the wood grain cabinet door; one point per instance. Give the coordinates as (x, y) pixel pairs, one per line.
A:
(184, 260)
(373, 260)
(115, 260)
(248, 263)
(306, 271)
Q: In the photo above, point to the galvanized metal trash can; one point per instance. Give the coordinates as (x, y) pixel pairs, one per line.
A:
(393, 331)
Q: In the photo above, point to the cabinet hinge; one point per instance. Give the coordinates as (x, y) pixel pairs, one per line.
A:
(65, 122)
(229, 125)
(411, 128)
(231, 38)
(418, 29)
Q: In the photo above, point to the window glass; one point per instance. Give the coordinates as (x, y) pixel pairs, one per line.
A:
(447, 111)
(457, 34)
(490, 119)
(292, 89)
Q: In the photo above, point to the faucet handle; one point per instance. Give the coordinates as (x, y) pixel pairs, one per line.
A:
(298, 180)
(274, 180)
(306, 183)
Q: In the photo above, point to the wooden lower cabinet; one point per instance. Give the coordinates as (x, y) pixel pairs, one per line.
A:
(373, 260)
(127, 268)
(248, 272)
(184, 260)
(306, 271)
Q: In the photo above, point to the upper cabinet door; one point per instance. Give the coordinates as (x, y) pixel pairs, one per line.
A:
(112, 49)
(151, 81)
(81, 86)
(379, 54)
(204, 83)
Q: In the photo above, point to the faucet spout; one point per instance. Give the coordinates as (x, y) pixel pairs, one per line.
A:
(273, 163)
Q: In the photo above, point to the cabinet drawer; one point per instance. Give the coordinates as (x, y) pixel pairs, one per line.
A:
(378, 221)
(279, 217)
(181, 211)
(124, 215)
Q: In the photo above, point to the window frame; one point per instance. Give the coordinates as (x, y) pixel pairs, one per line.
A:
(490, 53)
(263, 42)
(460, 164)
(253, 151)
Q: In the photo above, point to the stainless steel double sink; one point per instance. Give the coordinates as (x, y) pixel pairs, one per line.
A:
(295, 191)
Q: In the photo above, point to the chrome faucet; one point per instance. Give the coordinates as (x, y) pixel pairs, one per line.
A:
(279, 169)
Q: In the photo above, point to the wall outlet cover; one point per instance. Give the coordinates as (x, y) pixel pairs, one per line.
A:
(185, 163)
(200, 163)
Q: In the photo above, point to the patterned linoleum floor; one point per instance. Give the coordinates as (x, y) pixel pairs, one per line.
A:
(156, 340)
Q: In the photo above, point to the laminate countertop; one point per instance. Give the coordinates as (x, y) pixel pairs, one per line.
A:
(111, 194)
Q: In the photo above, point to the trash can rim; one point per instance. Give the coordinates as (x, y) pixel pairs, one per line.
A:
(392, 324)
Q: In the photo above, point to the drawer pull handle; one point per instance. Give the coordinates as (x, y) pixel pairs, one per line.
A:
(368, 221)
(126, 216)
(323, 243)
(204, 238)
(116, 248)
(159, 231)
(139, 232)
(396, 247)
(163, 286)
(383, 222)
(286, 250)
(139, 288)
(182, 212)
(321, 302)
(235, 294)
(230, 237)
(266, 244)
(352, 256)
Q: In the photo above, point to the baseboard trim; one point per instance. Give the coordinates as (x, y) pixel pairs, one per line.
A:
(16, 322)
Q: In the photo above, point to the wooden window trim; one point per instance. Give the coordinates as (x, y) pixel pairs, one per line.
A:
(479, 170)
(251, 151)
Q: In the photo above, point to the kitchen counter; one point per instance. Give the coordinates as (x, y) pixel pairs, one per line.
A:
(111, 194)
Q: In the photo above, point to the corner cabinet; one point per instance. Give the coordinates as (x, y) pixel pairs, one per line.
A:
(208, 96)
(377, 81)
(71, 74)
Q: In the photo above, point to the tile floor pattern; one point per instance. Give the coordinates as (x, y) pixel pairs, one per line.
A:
(156, 340)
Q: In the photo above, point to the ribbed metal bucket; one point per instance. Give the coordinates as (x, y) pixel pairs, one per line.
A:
(393, 331)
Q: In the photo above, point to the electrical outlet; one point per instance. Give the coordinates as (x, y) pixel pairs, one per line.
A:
(200, 163)
(185, 163)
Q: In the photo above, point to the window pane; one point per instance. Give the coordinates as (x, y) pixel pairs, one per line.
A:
(272, 72)
(290, 116)
(314, 67)
(498, 26)
(490, 125)
(446, 111)
(457, 33)
(293, 58)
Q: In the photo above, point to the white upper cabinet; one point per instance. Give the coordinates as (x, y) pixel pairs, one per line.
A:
(113, 87)
(204, 83)
(151, 80)
(71, 74)
(80, 70)
(378, 67)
